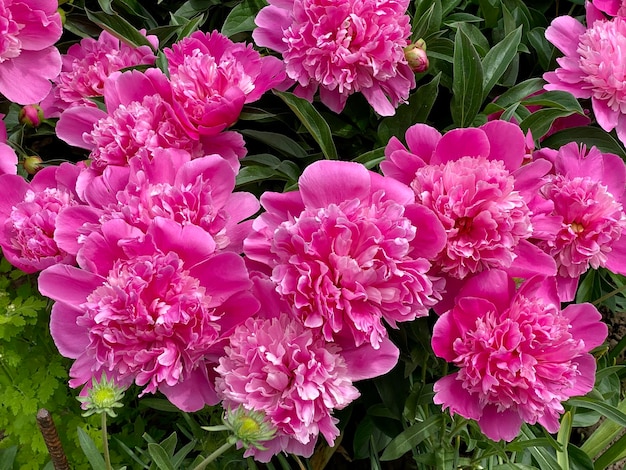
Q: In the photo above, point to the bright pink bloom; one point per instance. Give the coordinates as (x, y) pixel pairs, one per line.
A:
(342, 47)
(197, 192)
(87, 65)
(587, 192)
(143, 118)
(519, 356)
(28, 59)
(212, 77)
(591, 65)
(155, 310)
(349, 250)
(611, 7)
(468, 178)
(297, 379)
(28, 213)
(8, 157)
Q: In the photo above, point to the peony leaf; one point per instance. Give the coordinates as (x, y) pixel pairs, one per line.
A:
(565, 430)
(606, 410)
(590, 136)
(498, 59)
(313, 121)
(467, 86)
(426, 21)
(91, 451)
(280, 142)
(241, 18)
(540, 121)
(119, 27)
(411, 437)
(160, 457)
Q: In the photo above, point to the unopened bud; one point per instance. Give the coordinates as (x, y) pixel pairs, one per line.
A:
(31, 115)
(416, 56)
(32, 164)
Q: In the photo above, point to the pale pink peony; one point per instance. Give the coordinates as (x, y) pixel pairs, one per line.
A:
(519, 356)
(297, 379)
(591, 65)
(191, 192)
(87, 65)
(212, 77)
(142, 118)
(587, 191)
(28, 214)
(155, 309)
(341, 47)
(349, 250)
(28, 59)
(468, 178)
(8, 157)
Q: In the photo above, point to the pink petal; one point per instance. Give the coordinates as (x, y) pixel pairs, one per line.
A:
(531, 260)
(444, 333)
(76, 122)
(26, 78)
(190, 242)
(586, 366)
(450, 393)
(500, 425)
(564, 32)
(586, 324)
(328, 182)
(458, 143)
(393, 189)
(493, 285)
(68, 223)
(68, 284)
(507, 143)
(193, 393)
(607, 118)
(364, 362)
(8, 160)
(271, 21)
(222, 275)
(422, 140)
(430, 237)
(378, 100)
(70, 339)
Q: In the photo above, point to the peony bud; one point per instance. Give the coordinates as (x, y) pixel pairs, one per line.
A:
(31, 115)
(416, 56)
(32, 164)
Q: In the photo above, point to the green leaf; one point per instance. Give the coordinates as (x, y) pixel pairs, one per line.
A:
(313, 121)
(253, 174)
(578, 460)
(544, 458)
(179, 457)
(608, 411)
(565, 430)
(588, 135)
(160, 457)
(106, 6)
(468, 77)
(417, 110)
(517, 93)
(537, 39)
(241, 18)
(498, 59)
(428, 21)
(540, 121)
(7, 457)
(411, 437)
(555, 99)
(616, 452)
(119, 27)
(191, 26)
(372, 158)
(159, 404)
(279, 142)
(91, 451)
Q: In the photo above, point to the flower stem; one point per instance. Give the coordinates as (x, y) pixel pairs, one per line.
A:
(227, 445)
(105, 442)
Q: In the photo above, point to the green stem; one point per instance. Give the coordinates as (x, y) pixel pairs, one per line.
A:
(202, 465)
(105, 442)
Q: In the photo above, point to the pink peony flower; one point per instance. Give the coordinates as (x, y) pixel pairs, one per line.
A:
(342, 47)
(519, 356)
(28, 214)
(297, 379)
(87, 65)
(611, 7)
(28, 59)
(212, 78)
(587, 191)
(468, 178)
(8, 157)
(197, 192)
(591, 66)
(155, 310)
(349, 250)
(142, 118)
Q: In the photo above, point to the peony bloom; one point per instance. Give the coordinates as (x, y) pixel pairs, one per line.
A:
(349, 250)
(587, 191)
(142, 118)
(519, 356)
(87, 65)
(591, 66)
(190, 192)
(155, 309)
(28, 213)
(8, 157)
(212, 77)
(342, 47)
(611, 7)
(28, 59)
(280, 367)
(468, 178)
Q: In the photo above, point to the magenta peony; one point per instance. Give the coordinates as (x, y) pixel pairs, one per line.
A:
(212, 78)
(611, 7)
(591, 65)
(280, 367)
(587, 191)
(28, 214)
(8, 157)
(87, 65)
(519, 356)
(342, 47)
(468, 178)
(155, 309)
(28, 59)
(349, 250)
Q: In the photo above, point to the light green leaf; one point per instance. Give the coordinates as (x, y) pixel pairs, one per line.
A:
(7, 457)
(467, 87)
(313, 121)
(565, 430)
(498, 59)
(160, 457)
(91, 451)
(608, 411)
(241, 18)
